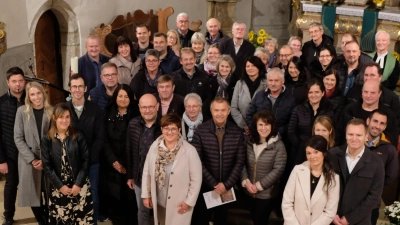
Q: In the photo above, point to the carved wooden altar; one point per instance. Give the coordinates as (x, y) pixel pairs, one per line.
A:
(349, 19)
(125, 26)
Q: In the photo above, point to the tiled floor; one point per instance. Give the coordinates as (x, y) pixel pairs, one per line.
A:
(237, 216)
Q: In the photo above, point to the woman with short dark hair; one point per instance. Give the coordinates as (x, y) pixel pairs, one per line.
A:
(311, 194)
(326, 58)
(125, 58)
(172, 175)
(265, 164)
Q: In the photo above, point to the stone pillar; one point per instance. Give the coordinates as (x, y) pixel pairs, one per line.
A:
(224, 11)
(273, 17)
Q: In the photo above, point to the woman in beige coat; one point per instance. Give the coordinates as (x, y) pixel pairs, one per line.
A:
(32, 122)
(311, 195)
(172, 175)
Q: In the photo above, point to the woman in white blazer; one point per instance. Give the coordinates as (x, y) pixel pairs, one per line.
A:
(311, 194)
(32, 122)
(172, 175)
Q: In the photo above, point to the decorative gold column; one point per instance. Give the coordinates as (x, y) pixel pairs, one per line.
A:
(224, 11)
(3, 43)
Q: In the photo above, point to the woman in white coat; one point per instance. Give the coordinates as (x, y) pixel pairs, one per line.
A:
(172, 175)
(31, 123)
(311, 195)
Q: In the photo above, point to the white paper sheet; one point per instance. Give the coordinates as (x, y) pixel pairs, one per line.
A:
(213, 199)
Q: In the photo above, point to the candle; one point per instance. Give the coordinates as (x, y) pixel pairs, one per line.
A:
(74, 64)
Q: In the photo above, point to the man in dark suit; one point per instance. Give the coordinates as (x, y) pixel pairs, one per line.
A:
(361, 174)
(185, 34)
(169, 102)
(238, 48)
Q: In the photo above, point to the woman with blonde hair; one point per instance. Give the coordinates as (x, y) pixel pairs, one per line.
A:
(323, 126)
(271, 44)
(174, 42)
(198, 44)
(295, 43)
(31, 124)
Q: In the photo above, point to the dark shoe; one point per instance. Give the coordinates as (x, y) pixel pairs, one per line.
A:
(102, 218)
(8, 222)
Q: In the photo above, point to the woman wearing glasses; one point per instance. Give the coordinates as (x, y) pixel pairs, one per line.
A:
(326, 58)
(192, 117)
(145, 81)
(172, 175)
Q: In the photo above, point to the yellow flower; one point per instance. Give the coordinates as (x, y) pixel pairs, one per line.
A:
(396, 55)
(251, 36)
(260, 40)
(261, 32)
(252, 32)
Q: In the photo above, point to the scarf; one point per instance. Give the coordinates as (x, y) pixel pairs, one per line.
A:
(210, 69)
(329, 93)
(191, 124)
(165, 157)
(153, 83)
(252, 85)
(198, 56)
(271, 59)
(223, 86)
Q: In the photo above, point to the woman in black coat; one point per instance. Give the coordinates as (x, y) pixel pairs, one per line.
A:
(303, 117)
(326, 58)
(296, 79)
(332, 91)
(121, 109)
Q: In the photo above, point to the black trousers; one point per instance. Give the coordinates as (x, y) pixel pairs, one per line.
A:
(374, 216)
(202, 215)
(10, 189)
(260, 209)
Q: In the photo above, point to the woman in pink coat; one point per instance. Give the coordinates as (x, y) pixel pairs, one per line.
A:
(311, 194)
(172, 175)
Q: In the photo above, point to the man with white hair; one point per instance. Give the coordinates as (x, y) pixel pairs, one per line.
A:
(214, 34)
(185, 34)
(387, 61)
(237, 47)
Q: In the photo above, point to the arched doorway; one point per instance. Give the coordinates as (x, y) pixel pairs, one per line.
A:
(48, 55)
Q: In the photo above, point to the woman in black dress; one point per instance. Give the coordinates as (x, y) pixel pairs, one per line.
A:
(65, 157)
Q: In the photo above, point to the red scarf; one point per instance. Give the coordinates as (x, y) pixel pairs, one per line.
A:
(329, 93)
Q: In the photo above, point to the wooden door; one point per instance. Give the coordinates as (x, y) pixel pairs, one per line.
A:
(48, 57)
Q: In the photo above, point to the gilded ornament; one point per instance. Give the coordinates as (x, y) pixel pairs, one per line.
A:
(2, 34)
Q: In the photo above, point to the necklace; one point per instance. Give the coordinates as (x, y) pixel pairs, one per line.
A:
(314, 178)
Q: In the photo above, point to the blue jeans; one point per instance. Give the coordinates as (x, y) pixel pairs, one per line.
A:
(94, 186)
(143, 212)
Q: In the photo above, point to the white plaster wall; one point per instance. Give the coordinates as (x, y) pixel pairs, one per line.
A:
(13, 14)
(243, 12)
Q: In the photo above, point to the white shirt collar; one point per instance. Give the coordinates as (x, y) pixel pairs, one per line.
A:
(359, 154)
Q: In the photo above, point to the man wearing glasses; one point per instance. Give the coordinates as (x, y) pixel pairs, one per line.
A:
(109, 77)
(169, 61)
(89, 118)
(311, 48)
(285, 54)
(237, 47)
(142, 131)
(185, 34)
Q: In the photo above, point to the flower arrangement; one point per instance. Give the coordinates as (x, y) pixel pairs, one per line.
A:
(393, 213)
(257, 39)
(397, 56)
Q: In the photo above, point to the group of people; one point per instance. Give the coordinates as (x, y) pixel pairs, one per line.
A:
(300, 131)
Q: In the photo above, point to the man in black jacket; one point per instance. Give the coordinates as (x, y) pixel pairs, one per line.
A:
(89, 118)
(274, 99)
(361, 175)
(238, 48)
(189, 79)
(377, 143)
(141, 133)
(9, 104)
(168, 101)
(222, 150)
(214, 34)
(185, 34)
(311, 48)
(169, 62)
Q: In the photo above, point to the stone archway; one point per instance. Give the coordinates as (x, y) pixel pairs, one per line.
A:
(69, 33)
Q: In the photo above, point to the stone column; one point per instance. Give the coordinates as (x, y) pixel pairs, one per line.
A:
(273, 17)
(224, 11)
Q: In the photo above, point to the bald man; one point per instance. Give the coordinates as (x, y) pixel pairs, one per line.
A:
(142, 132)
(285, 54)
(371, 92)
(364, 58)
(89, 65)
(214, 34)
(386, 60)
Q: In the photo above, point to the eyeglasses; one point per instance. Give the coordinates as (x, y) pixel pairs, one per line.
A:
(183, 21)
(325, 56)
(152, 61)
(150, 108)
(80, 87)
(192, 106)
(285, 55)
(109, 75)
(172, 38)
(172, 130)
(240, 29)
